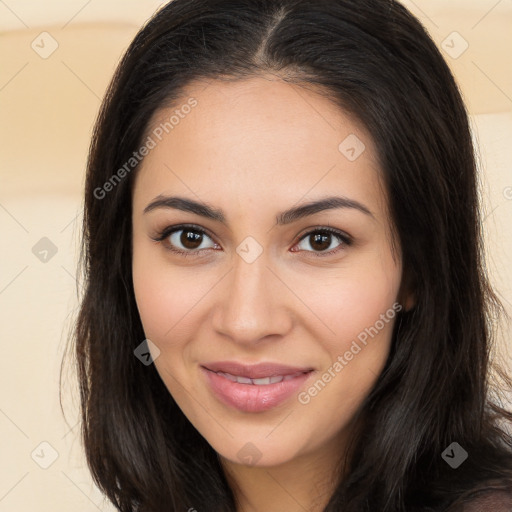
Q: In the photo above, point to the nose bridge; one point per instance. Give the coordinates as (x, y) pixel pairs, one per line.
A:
(248, 278)
(248, 308)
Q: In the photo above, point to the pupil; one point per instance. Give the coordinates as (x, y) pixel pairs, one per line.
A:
(191, 239)
(322, 238)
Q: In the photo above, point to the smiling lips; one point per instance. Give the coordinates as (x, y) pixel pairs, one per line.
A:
(255, 371)
(254, 388)
(264, 381)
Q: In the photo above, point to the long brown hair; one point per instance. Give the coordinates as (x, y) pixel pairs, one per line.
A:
(377, 63)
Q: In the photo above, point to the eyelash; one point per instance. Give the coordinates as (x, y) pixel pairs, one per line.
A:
(345, 239)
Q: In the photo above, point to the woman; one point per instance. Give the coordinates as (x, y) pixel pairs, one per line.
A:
(286, 306)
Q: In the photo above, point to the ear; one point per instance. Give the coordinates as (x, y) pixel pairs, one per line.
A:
(410, 301)
(407, 294)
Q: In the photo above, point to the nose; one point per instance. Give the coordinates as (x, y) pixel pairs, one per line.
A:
(253, 304)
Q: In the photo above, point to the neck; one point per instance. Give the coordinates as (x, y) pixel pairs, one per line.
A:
(304, 483)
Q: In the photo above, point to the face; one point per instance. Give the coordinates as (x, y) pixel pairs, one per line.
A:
(315, 290)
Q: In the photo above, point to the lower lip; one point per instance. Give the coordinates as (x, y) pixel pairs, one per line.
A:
(251, 397)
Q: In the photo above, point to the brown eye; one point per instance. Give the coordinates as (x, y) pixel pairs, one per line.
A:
(185, 240)
(190, 239)
(321, 240)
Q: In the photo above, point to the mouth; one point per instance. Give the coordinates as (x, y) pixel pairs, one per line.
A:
(254, 388)
(264, 381)
(255, 371)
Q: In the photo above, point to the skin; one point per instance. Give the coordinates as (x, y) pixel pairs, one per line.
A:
(255, 148)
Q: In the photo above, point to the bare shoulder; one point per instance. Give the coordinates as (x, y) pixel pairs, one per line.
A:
(494, 500)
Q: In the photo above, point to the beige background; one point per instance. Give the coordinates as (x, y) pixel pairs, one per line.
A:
(48, 106)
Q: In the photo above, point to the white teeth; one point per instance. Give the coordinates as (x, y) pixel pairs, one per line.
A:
(259, 382)
(228, 376)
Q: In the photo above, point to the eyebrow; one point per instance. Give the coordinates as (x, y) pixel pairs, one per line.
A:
(283, 218)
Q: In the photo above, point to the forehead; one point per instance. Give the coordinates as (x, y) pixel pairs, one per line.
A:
(260, 137)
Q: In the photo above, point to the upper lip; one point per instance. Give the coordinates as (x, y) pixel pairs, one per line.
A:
(255, 371)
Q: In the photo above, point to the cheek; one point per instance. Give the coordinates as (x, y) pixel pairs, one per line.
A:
(362, 316)
(360, 309)
(158, 294)
(168, 297)
(161, 303)
(355, 300)
(151, 300)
